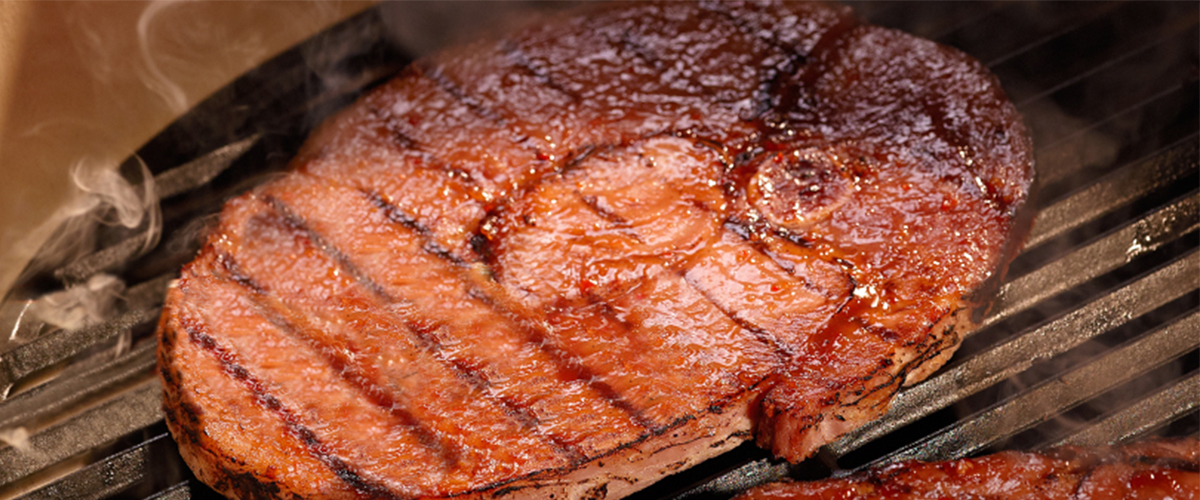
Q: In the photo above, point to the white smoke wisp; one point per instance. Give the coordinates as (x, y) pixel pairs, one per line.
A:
(80, 305)
(118, 201)
(17, 437)
(101, 197)
(155, 79)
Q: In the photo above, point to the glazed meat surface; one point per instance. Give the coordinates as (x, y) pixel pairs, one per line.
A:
(608, 247)
(1150, 470)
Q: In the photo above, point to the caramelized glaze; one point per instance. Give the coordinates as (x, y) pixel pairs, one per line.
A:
(607, 247)
(1153, 469)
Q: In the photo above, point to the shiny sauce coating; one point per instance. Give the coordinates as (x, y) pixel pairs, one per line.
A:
(597, 251)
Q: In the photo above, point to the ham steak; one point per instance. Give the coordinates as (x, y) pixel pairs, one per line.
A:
(1157, 469)
(605, 248)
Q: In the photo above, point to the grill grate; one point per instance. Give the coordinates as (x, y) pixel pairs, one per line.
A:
(1091, 340)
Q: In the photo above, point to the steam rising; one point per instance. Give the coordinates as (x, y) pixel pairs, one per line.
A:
(104, 192)
(16, 437)
(170, 92)
(79, 305)
(101, 197)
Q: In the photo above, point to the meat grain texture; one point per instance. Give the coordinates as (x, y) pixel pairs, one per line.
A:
(1156, 469)
(601, 250)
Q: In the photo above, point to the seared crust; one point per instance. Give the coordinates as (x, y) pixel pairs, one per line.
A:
(570, 263)
(1151, 469)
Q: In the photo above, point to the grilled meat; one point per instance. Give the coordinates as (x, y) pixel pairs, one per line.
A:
(568, 263)
(1150, 470)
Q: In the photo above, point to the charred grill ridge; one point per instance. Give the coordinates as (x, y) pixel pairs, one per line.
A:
(426, 69)
(395, 214)
(563, 359)
(347, 370)
(782, 353)
(344, 471)
(424, 336)
(395, 130)
(296, 222)
(771, 88)
(747, 234)
(517, 56)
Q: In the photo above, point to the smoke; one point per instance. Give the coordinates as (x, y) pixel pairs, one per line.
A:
(158, 82)
(79, 305)
(100, 197)
(16, 437)
(111, 199)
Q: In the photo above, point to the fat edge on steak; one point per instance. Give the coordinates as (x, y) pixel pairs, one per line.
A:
(570, 262)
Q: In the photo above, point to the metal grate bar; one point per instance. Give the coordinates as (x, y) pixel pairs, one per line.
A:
(200, 171)
(1055, 395)
(178, 180)
(748, 475)
(142, 300)
(129, 412)
(1073, 23)
(112, 475)
(60, 345)
(148, 293)
(1166, 34)
(1145, 235)
(1158, 409)
(1018, 354)
(180, 491)
(1065, 139)
(64, 392)
(1131, 182)
(1083, 147)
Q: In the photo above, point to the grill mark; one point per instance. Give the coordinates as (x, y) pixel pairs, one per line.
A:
(739, 229)
(406, 141)
(396, 215)
(425, 68)
(228, 362)
(576, 157)
(727, 16)
(612, 218)
(348, 371)
(1075, 492)
(429, 162)
(425, 332)
(473, 376)
(428, 70)
(518, 58)
(747, 234)
(296, 223)
(767, 88)
(567, 363)
(607, 215)
(781, 351)
(774, 88)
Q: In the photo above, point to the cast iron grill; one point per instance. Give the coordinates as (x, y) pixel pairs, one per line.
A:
(1092, 339)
